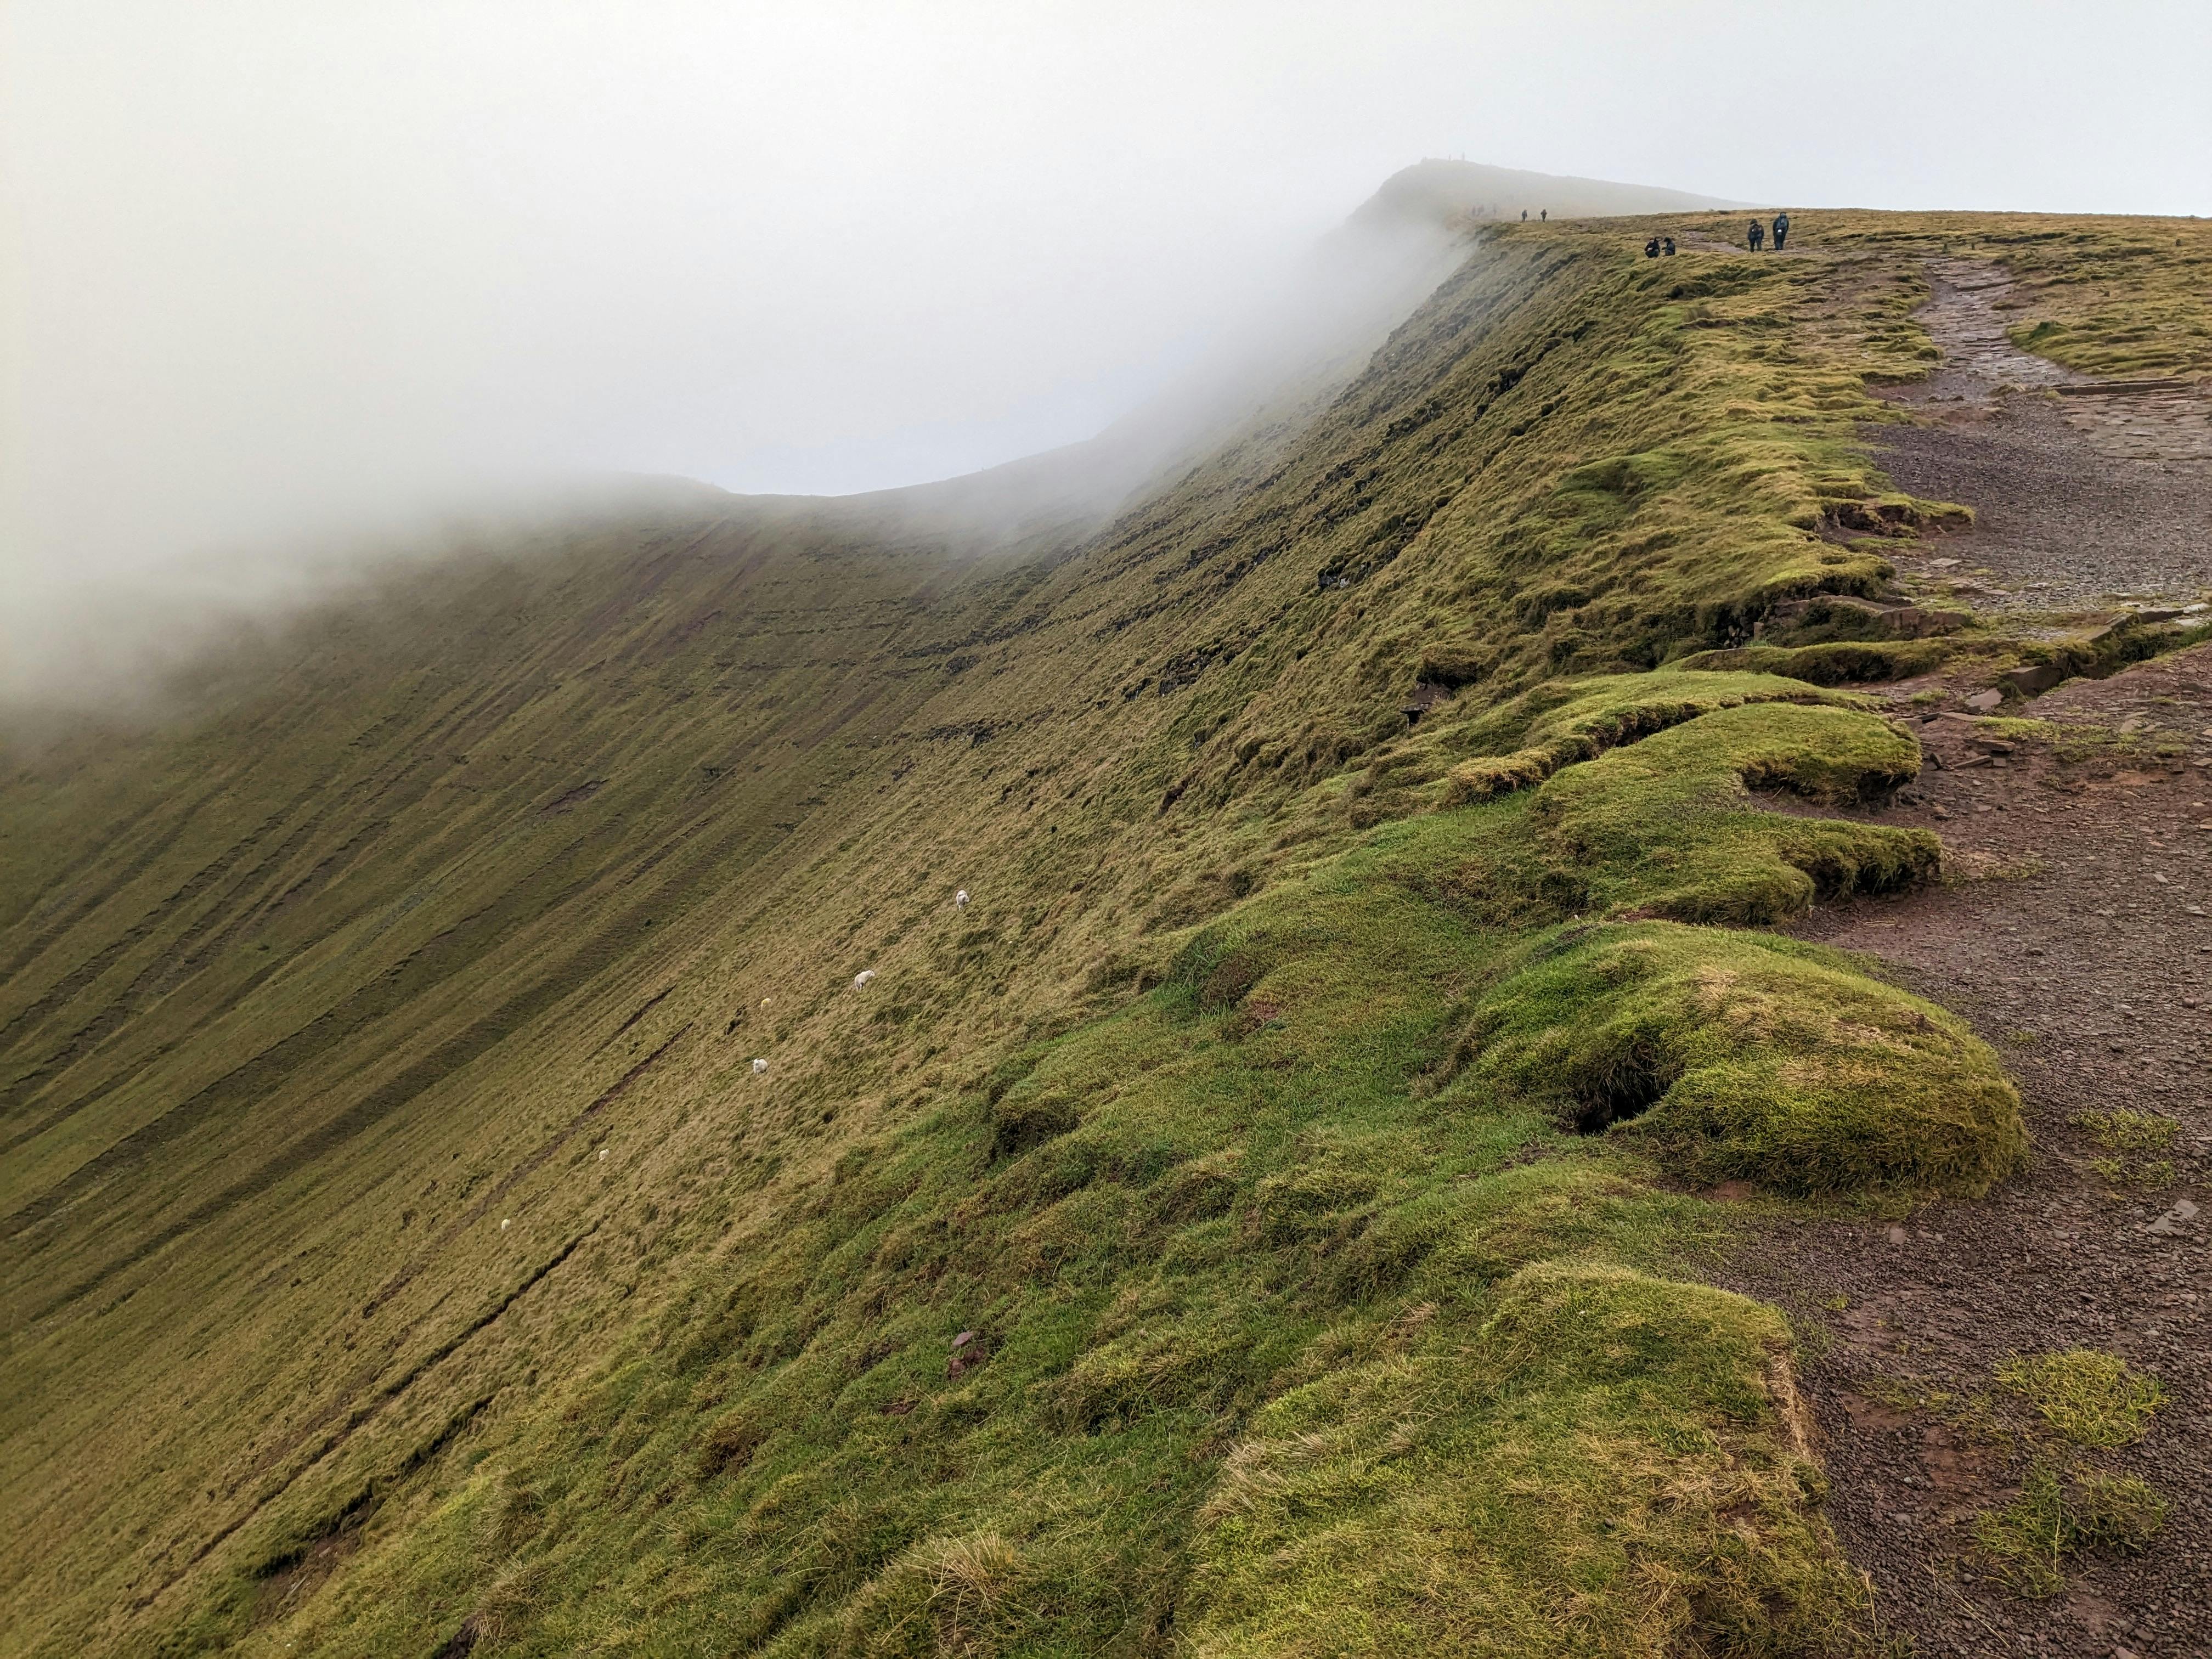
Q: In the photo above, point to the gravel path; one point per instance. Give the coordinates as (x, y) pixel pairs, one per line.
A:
(2083, 495)
(2075, 935)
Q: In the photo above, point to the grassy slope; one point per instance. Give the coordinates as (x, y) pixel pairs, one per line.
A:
(1224, 1116)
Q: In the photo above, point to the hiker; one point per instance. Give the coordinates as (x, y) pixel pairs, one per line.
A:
(1670, 247)
(1651, 248)
(1543, 214)
(1524, 215)
(1756, 234)
(1781, 230)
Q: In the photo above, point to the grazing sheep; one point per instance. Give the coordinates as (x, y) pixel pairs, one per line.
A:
(759, 1067)
(860, 980)
(505, 1224)
(960, 899)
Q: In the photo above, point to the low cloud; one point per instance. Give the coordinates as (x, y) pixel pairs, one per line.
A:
(297, 281)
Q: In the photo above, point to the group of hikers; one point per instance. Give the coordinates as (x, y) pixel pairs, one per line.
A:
(1663, 247)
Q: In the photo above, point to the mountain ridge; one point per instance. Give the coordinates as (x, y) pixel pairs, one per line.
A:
(402, 1248)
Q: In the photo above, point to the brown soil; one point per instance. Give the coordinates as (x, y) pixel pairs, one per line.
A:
(2074, 932)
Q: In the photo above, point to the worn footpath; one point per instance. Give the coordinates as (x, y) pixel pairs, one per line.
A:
(2072, 930)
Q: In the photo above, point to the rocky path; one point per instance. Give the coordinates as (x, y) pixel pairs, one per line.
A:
(2075, 935)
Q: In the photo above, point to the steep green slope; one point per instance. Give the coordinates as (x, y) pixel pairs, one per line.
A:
(1263, 1219)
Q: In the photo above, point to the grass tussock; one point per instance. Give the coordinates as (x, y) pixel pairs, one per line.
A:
(1663, 827)
(2126, 1130)
(1565, 721)
(2091, 1397)
(1837, 663)
(2027, 1542)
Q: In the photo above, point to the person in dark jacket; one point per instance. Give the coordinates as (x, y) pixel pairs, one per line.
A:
(1756, 234)
(1670, 247)
(1651, 248)
(1781, 230)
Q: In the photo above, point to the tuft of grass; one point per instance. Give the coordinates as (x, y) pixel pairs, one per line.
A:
(2091, 1397)
(2126, 1130)
(2142, 1174)
(1742, 1056)
(970, 1594)
(2026, 1543)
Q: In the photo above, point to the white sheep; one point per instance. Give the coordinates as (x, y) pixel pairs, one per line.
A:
(760, 1068)
(860, 980)
(960, 899)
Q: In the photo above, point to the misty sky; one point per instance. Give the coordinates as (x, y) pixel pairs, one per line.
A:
(274, 266)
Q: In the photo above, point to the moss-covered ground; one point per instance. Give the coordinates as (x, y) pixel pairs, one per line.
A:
(1268, 1218)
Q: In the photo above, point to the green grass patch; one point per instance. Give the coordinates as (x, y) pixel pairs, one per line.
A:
(2026, 1543)
(1841, 662)
(1530, 1490)
(1668, 827)
(2093, 1398)
(2124, 1129)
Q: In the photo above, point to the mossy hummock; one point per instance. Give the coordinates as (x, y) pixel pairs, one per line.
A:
(1743, 1056)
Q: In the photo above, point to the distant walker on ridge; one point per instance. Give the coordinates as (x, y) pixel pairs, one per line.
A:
(1781, 230)
(1756, 234)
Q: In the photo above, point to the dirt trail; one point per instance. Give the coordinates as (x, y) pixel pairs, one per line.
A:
(2076, 937)
(2086, 493)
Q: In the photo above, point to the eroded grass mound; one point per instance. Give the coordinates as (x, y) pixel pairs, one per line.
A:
(1547, 1487)
(1661, 825)
(1564, 721)
(1743, 1056)
(1838, 662)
